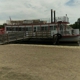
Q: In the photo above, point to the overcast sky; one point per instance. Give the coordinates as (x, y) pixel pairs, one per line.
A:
(34, 9)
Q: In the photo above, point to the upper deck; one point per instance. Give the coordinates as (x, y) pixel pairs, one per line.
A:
(46, 21)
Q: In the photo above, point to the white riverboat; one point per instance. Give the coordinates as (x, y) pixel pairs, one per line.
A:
(58, 31)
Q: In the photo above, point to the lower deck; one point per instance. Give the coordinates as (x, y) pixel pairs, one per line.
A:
(15, 36)
(41, 36)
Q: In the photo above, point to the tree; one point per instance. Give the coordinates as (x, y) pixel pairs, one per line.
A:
(1, 26)
(76, 25)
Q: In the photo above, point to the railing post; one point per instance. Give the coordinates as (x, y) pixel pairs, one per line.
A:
(3, 39)
(7, 38)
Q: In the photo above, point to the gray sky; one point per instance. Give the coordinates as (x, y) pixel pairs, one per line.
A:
(34, 9)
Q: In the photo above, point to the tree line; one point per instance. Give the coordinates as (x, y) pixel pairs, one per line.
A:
(76, 25)
(1, 26)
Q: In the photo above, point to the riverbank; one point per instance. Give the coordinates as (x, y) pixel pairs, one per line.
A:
(39, 62)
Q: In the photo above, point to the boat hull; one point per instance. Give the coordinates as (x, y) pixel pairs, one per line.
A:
(75, 38)
(70, 38)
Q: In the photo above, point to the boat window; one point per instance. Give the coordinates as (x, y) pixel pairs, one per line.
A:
(38, 28)
(29, 28)
(42, 28)
(51, 27)
(8, 28)
(26, 28)
(17, 28)
(13, 29)
(34, 29)
(22, 28)
(46, 28)
(55, 27)
(61, 27)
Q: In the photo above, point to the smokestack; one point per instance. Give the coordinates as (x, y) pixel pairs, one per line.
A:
(51, 16)
(54, 17)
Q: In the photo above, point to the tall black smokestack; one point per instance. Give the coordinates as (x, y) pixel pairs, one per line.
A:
(54, 17)
(51, 16)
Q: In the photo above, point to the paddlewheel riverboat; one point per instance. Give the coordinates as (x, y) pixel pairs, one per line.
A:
(57, 30)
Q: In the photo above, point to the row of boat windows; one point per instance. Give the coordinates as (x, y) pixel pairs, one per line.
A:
(44, 28)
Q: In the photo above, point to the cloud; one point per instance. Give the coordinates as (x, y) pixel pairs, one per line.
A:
(34, 9)
(70, 3)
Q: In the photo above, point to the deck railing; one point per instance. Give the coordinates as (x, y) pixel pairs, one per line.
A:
(14, 36)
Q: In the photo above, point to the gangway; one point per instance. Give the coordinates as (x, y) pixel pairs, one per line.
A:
(10, 37)
(23, 35)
